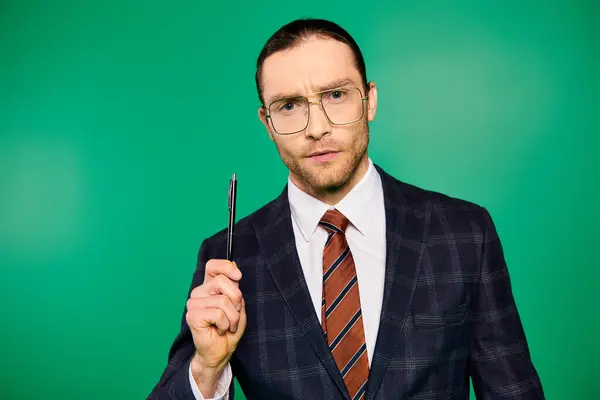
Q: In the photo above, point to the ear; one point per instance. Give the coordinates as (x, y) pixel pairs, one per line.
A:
(372, 102)
(262, 115)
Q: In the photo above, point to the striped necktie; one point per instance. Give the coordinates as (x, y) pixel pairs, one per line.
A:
(340, 310)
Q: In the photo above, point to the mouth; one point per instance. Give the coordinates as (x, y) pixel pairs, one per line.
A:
(323, 155)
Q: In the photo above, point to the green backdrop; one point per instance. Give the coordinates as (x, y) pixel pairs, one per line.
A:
(122, 121)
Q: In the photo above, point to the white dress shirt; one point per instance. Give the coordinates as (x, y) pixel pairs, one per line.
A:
(364, 208)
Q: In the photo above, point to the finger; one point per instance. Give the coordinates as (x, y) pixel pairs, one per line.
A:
(216, 267)
(221, 302)
(200, 291)
(219, 285)
(242, 322)
(223, 285)
(207, 317)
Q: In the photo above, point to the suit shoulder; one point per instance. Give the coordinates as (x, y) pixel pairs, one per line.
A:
(443, 203)
(456, 215)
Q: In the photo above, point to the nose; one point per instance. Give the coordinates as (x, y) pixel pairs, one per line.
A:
(318, 124)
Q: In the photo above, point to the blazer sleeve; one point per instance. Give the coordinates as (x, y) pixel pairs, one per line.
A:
(500, 364)
(174, 382)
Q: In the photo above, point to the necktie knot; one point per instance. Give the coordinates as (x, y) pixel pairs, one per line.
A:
(333, 220)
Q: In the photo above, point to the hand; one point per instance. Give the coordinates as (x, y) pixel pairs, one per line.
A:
(216, 316)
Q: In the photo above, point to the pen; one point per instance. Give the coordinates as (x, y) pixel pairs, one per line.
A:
(231, 224)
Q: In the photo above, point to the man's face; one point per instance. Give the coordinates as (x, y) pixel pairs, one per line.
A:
(317, 65)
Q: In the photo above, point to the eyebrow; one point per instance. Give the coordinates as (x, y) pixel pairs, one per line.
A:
(322, 88)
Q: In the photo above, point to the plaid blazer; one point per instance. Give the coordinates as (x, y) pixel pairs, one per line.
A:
(448, 310)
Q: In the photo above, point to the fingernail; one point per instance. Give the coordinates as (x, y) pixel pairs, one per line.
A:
(239, 306)
(233, 329)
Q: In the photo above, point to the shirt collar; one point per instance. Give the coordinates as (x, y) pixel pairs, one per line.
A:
(308, 210)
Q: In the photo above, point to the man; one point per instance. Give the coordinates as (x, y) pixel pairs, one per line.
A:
(351, 284)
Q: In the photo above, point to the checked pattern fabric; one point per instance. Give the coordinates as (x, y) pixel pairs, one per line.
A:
(340, 309)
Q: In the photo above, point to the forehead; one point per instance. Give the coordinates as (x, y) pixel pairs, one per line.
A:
(308, 67)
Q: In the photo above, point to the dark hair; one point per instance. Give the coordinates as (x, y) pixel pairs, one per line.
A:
(292, 33)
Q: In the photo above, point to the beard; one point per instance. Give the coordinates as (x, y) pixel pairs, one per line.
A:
(331, 176)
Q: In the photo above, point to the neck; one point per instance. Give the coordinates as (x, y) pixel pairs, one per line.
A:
(334, 195)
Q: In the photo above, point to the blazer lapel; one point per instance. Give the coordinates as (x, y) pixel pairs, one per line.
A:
(278, 247)
(407, 223)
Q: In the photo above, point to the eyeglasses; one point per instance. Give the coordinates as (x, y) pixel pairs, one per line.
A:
(341, 106)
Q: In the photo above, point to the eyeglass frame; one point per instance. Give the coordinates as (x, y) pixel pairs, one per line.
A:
(322, 92)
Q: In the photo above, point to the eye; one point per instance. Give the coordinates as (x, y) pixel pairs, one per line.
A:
(336, 96)
(287, 106)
